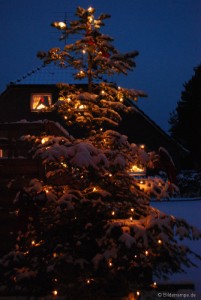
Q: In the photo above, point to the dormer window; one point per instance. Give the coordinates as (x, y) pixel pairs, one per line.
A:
(40, 101)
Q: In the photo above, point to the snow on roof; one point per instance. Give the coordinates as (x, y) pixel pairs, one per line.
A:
(60, 130)
(48, 74)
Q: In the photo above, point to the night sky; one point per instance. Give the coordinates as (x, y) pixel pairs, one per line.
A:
(167, 34)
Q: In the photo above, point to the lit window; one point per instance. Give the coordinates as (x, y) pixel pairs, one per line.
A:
(40, 101)
(136, 170)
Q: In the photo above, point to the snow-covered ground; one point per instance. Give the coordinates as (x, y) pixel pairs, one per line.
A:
(191, 212)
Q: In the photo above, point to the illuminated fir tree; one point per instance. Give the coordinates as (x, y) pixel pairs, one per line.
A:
(91, 232)
(98, 104)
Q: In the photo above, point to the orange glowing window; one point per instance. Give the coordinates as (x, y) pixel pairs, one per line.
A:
(40, 101)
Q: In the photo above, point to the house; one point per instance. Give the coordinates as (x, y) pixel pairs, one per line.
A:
(23, 100)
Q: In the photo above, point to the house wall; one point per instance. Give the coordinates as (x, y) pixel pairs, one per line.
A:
(15, 102)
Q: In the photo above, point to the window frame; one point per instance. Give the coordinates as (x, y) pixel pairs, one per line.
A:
(49, 95)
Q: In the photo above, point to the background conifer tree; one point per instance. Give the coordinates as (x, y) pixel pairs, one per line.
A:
(185, 120)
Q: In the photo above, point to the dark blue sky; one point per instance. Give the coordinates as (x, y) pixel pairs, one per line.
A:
(167, 34)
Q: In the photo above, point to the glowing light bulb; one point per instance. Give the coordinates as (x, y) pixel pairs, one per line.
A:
(153, 285)
(83, 51)
(160, 242)
(90, 9)
(33, 243)
(113, 213)
(110, 264)
(90, 19)
(138, 293)
(64, 164)
(96, 23)
(82, 106)
(146, 253)
(102, 92)
(88, 281)
(132, 210)
(81, 73)
(131, 218)
(55, 292)
(61, 25)
(94, 189)
(44, 140)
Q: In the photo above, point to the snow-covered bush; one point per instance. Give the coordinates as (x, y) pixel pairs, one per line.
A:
(189, 183)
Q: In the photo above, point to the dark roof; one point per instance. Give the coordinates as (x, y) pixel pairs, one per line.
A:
(157, 127)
